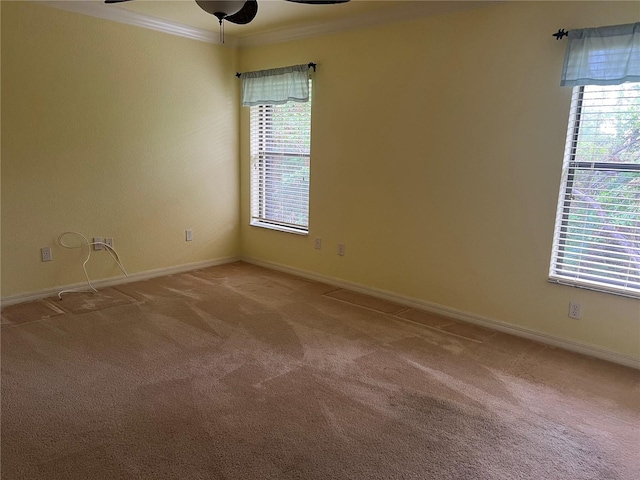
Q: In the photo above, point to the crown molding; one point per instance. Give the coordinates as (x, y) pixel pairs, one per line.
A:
(120, 15)
(403, 12)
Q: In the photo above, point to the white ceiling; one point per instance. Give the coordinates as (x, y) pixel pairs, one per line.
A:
(276, 21)
(280, 14)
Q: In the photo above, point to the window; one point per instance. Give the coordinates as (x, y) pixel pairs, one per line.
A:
(597, 234)
(280, 154)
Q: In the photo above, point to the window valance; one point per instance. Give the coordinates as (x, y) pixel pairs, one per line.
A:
(602, 56)
(275, 86)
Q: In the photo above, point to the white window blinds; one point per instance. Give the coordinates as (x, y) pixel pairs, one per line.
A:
(280, 161)
(597, 233)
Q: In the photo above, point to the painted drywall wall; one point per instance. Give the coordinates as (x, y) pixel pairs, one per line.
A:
(437, 147)
(113, 131)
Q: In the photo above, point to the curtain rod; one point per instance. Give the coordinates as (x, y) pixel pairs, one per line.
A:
(560, 33)
(310, 65)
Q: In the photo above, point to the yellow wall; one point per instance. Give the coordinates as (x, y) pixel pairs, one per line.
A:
(436, 154)
(113, 130)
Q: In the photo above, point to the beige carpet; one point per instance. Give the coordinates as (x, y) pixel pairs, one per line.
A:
(238, 372)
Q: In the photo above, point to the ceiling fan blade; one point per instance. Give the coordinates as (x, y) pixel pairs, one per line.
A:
(245, 14)
(319, 2)
(116, 1)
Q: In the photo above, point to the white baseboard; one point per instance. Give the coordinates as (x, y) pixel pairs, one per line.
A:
(120, 280)
(559, 342)
(504, 327)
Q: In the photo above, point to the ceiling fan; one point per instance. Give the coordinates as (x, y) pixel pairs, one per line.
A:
(239, 12)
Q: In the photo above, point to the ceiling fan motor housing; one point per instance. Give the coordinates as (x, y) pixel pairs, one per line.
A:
(221, 8)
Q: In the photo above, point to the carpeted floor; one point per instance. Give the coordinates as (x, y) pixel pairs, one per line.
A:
(238, 372)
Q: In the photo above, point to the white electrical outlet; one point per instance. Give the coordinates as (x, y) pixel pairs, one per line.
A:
(341, 248)
(575, 310)
(188, 235)
(109, 241)
(318, 243)
(96, 245)
(46, 254)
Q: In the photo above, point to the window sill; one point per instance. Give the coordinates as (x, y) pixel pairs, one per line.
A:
(594, 288)
(280, 228)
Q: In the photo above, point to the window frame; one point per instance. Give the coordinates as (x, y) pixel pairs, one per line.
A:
(561, 229)
(261, 155)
